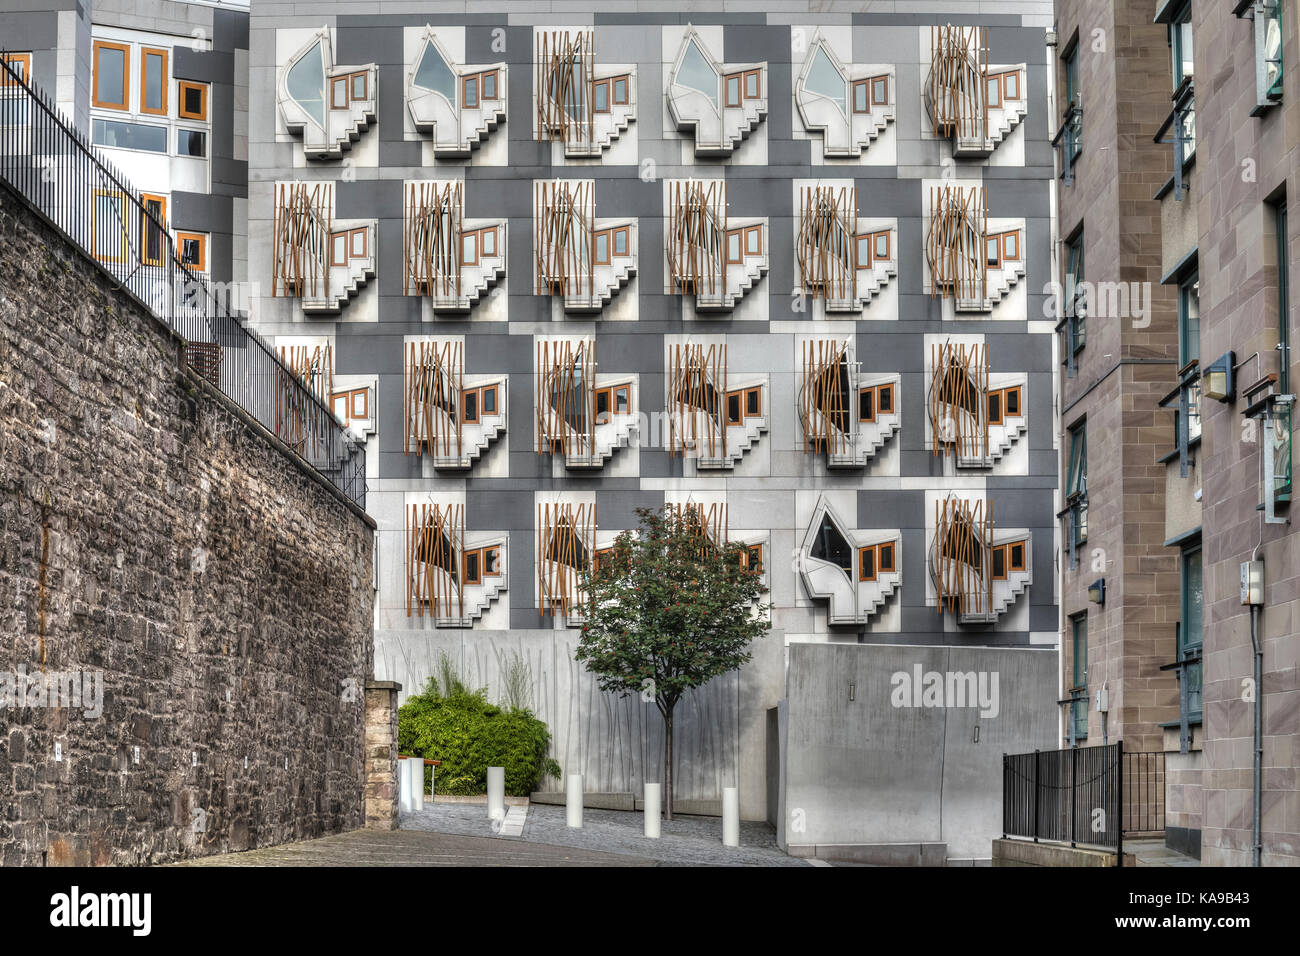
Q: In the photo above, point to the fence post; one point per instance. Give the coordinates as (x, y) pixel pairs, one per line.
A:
(1035, 796)
(1074, 778)
(1006, 777)
(1119, 800)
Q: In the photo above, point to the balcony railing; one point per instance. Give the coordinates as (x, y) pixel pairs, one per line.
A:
(1181, 123)
(56, 171)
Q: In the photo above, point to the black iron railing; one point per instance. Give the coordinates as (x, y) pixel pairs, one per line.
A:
(57, 172)
(1089, 796)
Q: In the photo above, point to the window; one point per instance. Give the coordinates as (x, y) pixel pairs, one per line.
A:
(823, 78)
(733, 90)
(754, 241)
(879, 90)
(13, 108)
(1268, 51)
(751, 558)
(1282, 448)
(612, 400)
(350, 406)
(108, 240)
(112, 75)
(1076, 488)
(1180, 44)
(191, 142)
(875, 400)
(477, 402)
(347, 245)
(872, 247)
(1076, 304)
(1079, 685)
(360, 86)
(20, 63)
(1002, 247)
(192, 249)
(153, 229)
(602, 248)
(1007, 558)
(1190, 632)
(1070, 65)
(469, 249)
(153, 81)
(735, 244)
(1003, 403)
(610, 242)
(118, 134)
(469, 92)
(620, 90)
(193, 100)
(1070, 134)
(753, 89)
(600, 96)
(862, 96)
(472, 562)
(1189, 320)
(875, 560)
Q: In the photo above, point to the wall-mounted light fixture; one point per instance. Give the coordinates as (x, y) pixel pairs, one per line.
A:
(1218, 378)
(1097, 591)
(853, 690)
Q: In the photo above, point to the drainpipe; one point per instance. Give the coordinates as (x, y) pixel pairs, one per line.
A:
(1257, 781)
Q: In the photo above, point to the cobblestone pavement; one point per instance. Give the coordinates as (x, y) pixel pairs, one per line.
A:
(690, 841)
(416, 848)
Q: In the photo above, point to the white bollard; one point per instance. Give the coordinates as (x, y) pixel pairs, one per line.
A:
(652, 820)
(496, 793)
(405, 800)
(417, 783)
(573, 801)
(730, 817)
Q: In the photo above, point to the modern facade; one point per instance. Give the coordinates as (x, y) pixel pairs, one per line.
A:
(1176, 418)
(789, 270)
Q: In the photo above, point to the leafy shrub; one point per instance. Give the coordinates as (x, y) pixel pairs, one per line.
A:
(468, 734)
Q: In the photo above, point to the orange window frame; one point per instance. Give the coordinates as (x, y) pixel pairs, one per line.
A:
(353, 95)
(757, 392)
(862, 564)
(995, 393)
(20, 63)
(492, 549)
(466, 82)
(484, 392)
(739, 236)
(477, 576)
(613, 242)
(483, 93)
(739, 396)
(751, 559)
(1012, 239)
(146, 225)
(998, 549)
(487, 236)
(734, 85)
(886, 548)
(338, 240)
(1006, 402)
(756, 234)
(202, 240)
(758, 85)
(1012, 563)
(867, 390)
(478, 406)
(125, 49)
(595, 102)
(181, 87)
(993, 88)
(364, 395)
(596, 257)
(466, 238)
(873, 81)
(865, 87)
(353, 236)
(145, 53)
(340, 85)
(881, 391)
(614, 83)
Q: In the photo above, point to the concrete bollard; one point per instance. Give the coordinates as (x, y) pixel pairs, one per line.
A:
(405, 800)
(417, 783)
(496, 793)
(573, 801)
(730, 817)
(652, 820)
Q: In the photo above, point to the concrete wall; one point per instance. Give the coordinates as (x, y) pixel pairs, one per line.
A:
(155, 536)
(866, 776)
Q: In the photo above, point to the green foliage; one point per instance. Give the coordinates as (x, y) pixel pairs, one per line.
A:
(667, 610)
(517, 683)
(451, 723)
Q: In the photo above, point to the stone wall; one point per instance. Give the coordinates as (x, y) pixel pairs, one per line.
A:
(153, 534)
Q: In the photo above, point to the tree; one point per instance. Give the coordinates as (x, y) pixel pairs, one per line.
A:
(667, 609)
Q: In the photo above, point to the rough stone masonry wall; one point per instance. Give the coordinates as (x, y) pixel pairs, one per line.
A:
(150, 531)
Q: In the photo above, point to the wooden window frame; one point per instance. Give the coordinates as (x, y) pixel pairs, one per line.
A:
(1012, 565)
(496, 86)
(465, 237)
(865, 86)
(867, 390)
(747, 558)
(483, 242)
(613, 242)
(346, 398)
(181, 111)
(1010, 236)
(343, 83)
(125, 49)
(998, 549)
(728, 101)
(758, 85)
(465, 418)
(145, 199)
(989, 397)
(872, 90)
(886, 388)
(491, 549)
(756, 390)
(995, 241)
(739, 395)
(477, 555)
(95, 230)
(1006, 404)
(1014, 77)
(757, 233)
(595, 104)
(353, 235)
(25, 73)
(871, 549)
(595, 247)
(614, 81)
(336, 239)
(465, 82)
(992, 87)
(484, 390)
(145, 53)
(364, 395)
(202, 239)
(364, 77)
(739, 236)
(881, 548)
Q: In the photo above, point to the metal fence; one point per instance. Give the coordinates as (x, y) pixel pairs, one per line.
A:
(1095, 796)
(55, 169)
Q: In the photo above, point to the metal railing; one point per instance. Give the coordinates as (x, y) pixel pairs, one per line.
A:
(56, 171)
(1091, 796)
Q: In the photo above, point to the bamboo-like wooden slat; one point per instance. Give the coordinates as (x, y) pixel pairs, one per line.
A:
(431, 411)
(697, 400)
(825, 409)
(962, 556)
(297, 418)
(566, 374)
(565, 65)
(696, 241)
(958, 400)
(564, 213)
(300, 244)
(827, 246)
(435, 541)
(954, 246)
(959, 63)
(434, 215)
(712, 522)
(566, 541)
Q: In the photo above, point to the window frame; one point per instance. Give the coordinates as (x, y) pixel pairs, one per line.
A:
(181, 111)
(1078, 705)
(758, 85)
(466, 101)
(145, 53)
(184, 235)
(626, 80)
(729, 102)
(20, 63)
(125, 50)
(1185, 284)
(146, 226)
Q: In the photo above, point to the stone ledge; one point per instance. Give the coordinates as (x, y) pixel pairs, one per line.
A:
(1027, 853)
(877, 854)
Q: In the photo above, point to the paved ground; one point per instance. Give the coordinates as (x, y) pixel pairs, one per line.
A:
(689, 841)
(1155, 853)
(416, 848)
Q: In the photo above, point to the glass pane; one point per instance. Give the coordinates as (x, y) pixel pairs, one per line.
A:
(733, 247)
(733, 91)
(882, 246)
(109, 76)
(470, 406)
(191, 252)
(733, 407)
(191, 142)
(860, 98)
(119, 135)
(864, 250)
(193, 100)
(489, 401)
(620, 90)
(153, 81)
(490, 86)
(359, 86)
(600, 95)
(697, 73)
(306, 83)
(153, 241)
(435, 75)
(1189, 327)
(751, 85)
(867, 563)
(866, 405)
(831, 545)
(880, 91)
(491, 560)
(1272, 53)
(469, 248)
(752, 401)
(471, 91)
(1193, 598)
(823, 79)
(620, 242)
(621, 401)
(489, 242)
(602, 247)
